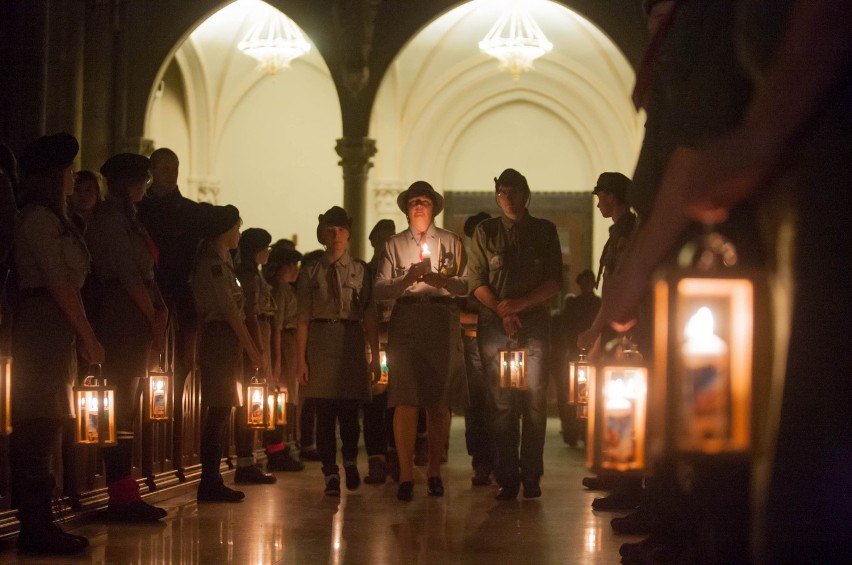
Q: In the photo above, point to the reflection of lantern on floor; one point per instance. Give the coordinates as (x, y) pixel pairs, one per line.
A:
(157, 397)
(617, 412)
(513, 367)
(578, 384)
(257, 409)
(5, 396)
(95, 403)
(704, 319)
(383, 363)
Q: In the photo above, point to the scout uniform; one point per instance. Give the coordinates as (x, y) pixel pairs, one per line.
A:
(425, 352)
(513, 259)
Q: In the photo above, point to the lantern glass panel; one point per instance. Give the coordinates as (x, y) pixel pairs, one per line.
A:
(157, 398)
(5, 395)
(513, 369)
(579, 383)
(281, 408)
(383, 362)
(271, 410)
(256, 409)
(623, 418)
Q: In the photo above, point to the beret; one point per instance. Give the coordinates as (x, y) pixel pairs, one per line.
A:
(218, 219)
(253, 240)
(126, 166)
(382, 225)
(614, 183)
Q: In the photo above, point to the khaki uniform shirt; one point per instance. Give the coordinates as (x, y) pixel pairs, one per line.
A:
(285, 315)
(315, 299)
(257, 293)
(403, 249)
(47, 251)
(215, 287)
(514, 270)
(119, 250)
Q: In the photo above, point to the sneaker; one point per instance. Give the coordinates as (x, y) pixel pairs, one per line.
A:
(405, 492)
(481, 477)
(252, 475)
(283, 461)
(435, 486)
(48, 538)
(377, 475)
(507, 493)
(393, 465)
(218, 492)
(137, 511)
(353, 478)
(332, 485)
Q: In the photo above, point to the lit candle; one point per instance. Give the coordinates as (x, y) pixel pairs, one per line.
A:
(706, 381)
(383, 379)
(158, 398)
(256, 409)
(618, 418)
(427, 257)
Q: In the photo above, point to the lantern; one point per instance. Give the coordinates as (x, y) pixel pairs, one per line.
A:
(95, 402)
(271, 410)
(703, 350)
(5, 395)
(383, 363)
(578, 384)
(513, 367)
(281, 407)
(257, 409)
(617, 413)
(156, 396)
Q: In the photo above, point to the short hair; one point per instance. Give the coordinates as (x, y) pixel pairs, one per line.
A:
(163, 154)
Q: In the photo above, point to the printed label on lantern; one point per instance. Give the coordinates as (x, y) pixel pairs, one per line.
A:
(158, 406)
(92, 427)
(618, 437)
(706, 403)
(256, 414)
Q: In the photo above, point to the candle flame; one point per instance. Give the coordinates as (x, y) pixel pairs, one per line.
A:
(701, 324)
(255, 396)
(426, 250)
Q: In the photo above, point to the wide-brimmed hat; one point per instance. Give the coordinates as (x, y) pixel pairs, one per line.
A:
(48, 153)
(334, 216)
(614, 183)
(511, 177)
(126, 166)
(420, 188)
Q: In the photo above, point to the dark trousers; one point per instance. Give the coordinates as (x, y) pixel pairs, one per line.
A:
(331, 411)
(31, 464)
(243, 435)
(378, 425)
(509, 408)
(307, 423)
(213, 442)
(480, 445)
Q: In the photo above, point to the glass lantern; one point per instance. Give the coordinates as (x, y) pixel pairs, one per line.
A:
(703, 350)
(5, 395)
(157, 395)
(579, 372)
(281, 407)
(513, 368)
(257, 403)
(271, 411)
(383, 363)
(95, 403)
(617, 413)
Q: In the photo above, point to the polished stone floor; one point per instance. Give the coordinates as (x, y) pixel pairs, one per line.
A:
(292, 522)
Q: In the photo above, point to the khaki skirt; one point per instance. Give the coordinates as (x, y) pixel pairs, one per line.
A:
(426, 356)
(220, 358)
(337, 362)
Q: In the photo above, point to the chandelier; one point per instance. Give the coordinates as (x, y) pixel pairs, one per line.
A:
(274, 42)
(515, 40)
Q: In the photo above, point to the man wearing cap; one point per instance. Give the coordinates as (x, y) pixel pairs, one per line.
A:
(174, 223)
(422, 269)
(611, 190)
(515, 268)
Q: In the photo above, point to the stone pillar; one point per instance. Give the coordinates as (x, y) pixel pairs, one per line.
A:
(356, 160)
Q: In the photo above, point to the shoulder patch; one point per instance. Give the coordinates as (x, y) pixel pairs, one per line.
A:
(216, 270)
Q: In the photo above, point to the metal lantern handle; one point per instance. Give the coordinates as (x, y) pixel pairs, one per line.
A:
(256, 380)
(709, 252)
(95, 372)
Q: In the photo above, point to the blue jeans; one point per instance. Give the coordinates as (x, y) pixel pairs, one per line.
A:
(508, 408)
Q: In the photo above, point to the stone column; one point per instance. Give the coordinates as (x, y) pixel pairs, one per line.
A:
(356, 159)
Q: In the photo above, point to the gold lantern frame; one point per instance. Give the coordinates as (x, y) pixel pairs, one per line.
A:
(157, 394)
(513, 367)
(94, 401)
(617, 422)
(703, 402)
(5, 395)
(257, 404)
(579, 382)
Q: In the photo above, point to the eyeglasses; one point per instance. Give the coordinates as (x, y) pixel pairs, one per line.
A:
(506, 191)
(149, 179)
(426, 203)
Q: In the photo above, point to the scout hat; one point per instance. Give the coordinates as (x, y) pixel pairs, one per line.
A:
(420, 188)
(126, 166)
(284, 252)
(48, 153)
(614, 183)
(334, 216)
(253, 240)
(511, 177)
(382, 225)
(218, 219)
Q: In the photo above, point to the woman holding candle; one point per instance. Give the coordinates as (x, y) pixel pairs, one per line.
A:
(337, 319)
(423, 268)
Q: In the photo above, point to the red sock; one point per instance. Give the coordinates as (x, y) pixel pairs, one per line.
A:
(123, 491)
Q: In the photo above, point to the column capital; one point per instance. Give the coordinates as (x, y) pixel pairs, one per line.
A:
(356, 155)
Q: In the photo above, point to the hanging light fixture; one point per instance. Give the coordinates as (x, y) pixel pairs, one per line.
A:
(515, 40)
(275, 42)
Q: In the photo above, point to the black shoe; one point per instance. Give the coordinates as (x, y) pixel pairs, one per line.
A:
(421, 452)
(405, 492)
(651, 551)
(48, 539)
(252, 475)
(507, 493)
(353, 477)
(332, 485)
(532, 489)
(218, 492)
(481, 477)
(137, 511)
(616, 501)
(393, 465)
(600, 483)
(377, 474)
(635, 523)
(435, 486)
(283, 461)
(309, 455)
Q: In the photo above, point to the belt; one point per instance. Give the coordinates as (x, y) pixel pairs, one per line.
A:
(34, 292)
(424, 299)
(344, 321)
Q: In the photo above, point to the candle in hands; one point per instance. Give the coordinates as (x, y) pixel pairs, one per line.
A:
(427, 258)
